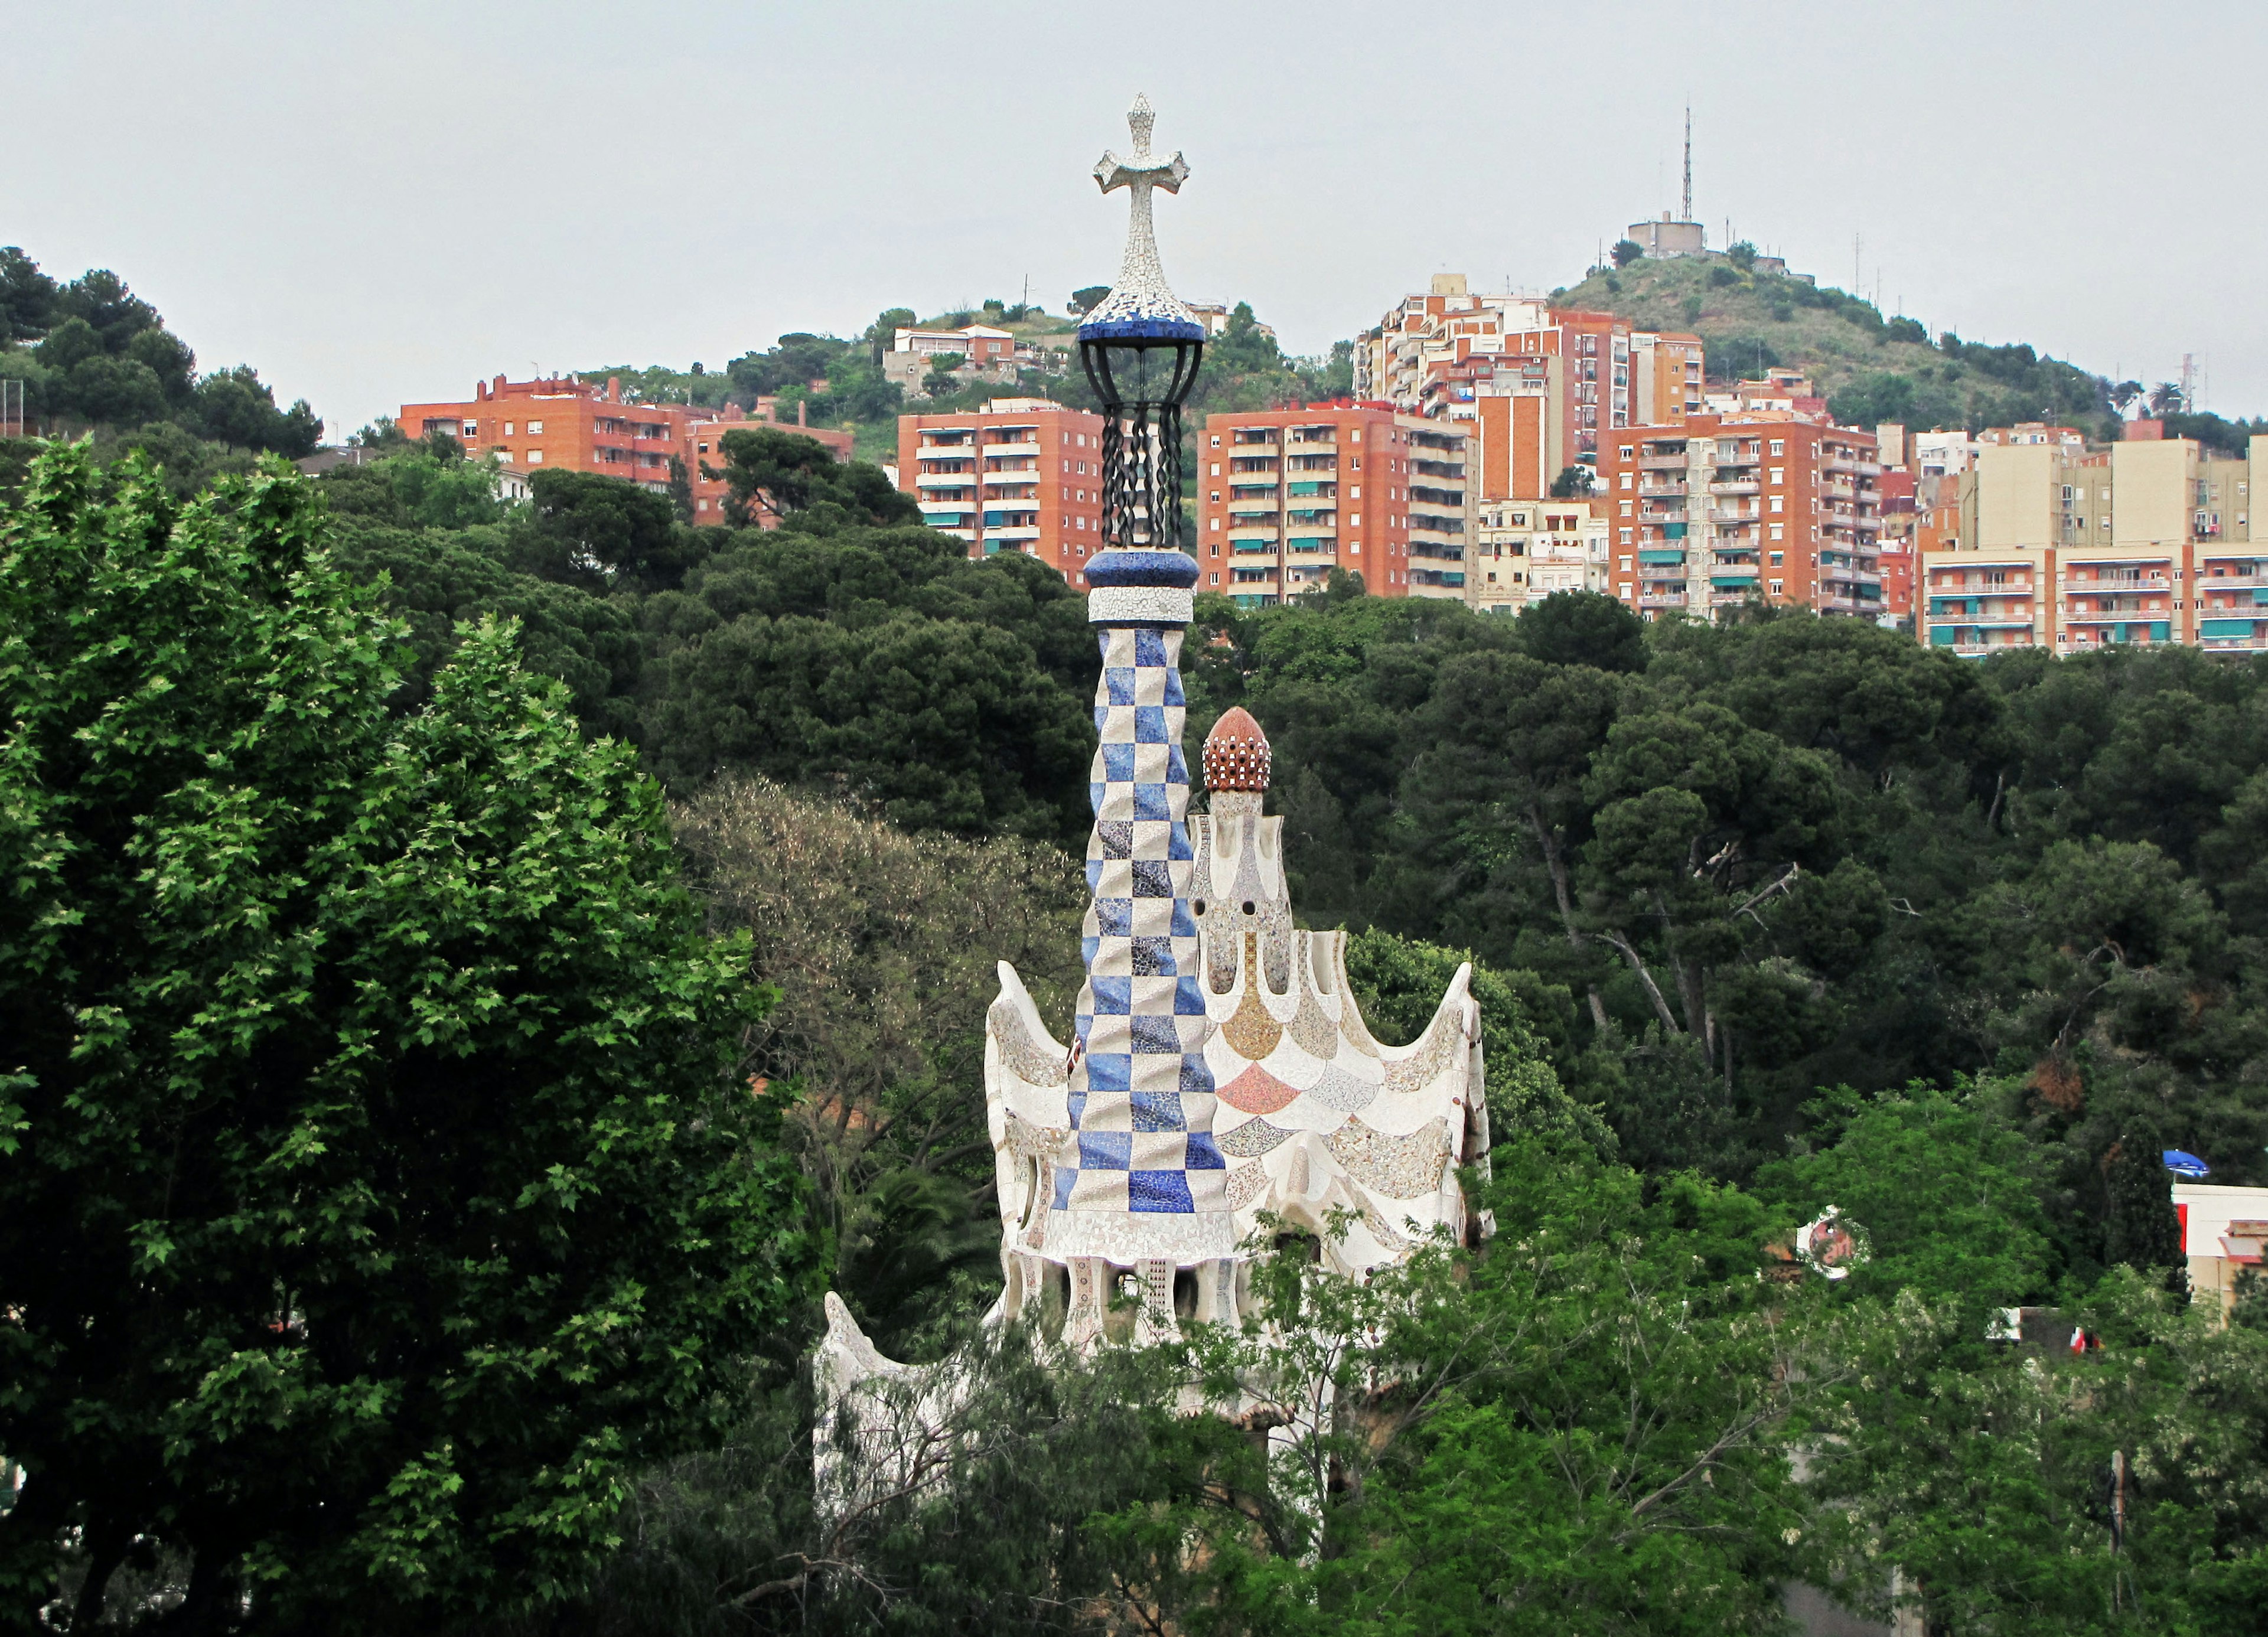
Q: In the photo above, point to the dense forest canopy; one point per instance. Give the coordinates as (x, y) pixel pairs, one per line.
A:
(476, 971)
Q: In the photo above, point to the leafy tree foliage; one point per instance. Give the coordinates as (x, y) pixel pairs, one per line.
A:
(373, 1192)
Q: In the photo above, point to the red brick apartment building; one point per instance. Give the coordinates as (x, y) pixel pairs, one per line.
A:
(1285, 495)
(1723, 506)
(565, 421)
(1020, 474)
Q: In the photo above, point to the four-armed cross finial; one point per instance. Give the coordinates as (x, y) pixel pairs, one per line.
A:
(1140, 272)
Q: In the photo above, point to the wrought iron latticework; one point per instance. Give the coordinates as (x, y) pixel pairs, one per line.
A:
(1140, 347)
(1142, 384)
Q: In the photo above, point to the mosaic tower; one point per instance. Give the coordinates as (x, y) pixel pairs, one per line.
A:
(1138, 1183)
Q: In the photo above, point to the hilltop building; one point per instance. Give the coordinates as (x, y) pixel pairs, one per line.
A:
(1020, 474)
(2050, 542)
(1285, 495)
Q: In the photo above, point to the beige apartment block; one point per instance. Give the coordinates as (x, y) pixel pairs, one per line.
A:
(2147, 540)
(1525, 550)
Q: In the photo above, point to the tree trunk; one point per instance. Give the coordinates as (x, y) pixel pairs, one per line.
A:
(1556, 862)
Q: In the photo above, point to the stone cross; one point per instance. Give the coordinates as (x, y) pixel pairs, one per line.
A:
(1141, 274)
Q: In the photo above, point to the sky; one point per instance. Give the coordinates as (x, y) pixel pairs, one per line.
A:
(376, 204)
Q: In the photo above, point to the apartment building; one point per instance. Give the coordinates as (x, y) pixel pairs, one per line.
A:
(1726, 506)
(1283, 501)
(2061, 545)
(1524, 550)
(562, 421)
(1536, 384)
(1020, 474)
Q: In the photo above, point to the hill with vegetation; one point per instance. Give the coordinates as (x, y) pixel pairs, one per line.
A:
(95, 359)
(1870, 368)
(837, 381)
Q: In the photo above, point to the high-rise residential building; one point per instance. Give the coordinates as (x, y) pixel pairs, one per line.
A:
(562, 421)
(1764, 503)
(2050, 542)
(1537, 384)
(1285, 495)
(1900, 516)
(1524, 550)
(1020, 474)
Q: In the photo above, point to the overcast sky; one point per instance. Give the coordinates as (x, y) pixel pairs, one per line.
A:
(382, 204)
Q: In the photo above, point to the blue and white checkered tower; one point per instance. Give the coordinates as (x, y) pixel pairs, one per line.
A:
(1139, 1186)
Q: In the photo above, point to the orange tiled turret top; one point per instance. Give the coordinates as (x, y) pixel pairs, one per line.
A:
(1236, 753)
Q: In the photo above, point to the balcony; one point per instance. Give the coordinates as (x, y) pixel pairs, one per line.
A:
(1662, 599)
(1736, 486)
(1658, 490)
(1662, 463)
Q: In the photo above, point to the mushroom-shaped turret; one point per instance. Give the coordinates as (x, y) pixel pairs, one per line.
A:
(1236, 755)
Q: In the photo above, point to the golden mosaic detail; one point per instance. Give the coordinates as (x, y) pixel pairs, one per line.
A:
(1400, 1168)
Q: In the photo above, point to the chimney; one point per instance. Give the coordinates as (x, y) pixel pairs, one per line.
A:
(614, 389)
(802, 413)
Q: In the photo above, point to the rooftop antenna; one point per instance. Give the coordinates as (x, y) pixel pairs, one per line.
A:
(1688, 215)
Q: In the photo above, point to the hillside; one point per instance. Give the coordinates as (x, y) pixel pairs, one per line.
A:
(1871, 369)
(838, 380)
(90, 357)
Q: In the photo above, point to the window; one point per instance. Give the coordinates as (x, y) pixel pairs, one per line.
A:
(1777, 558)
(1216, 444)
(1779, 446)
(1775, 588)
(1626, 509)
(1355, 493)
(534, 428)
(1779, 474)
(507, 428)
(1776, 502)
(535, 457)
(1626, 454)
(1629, 479)
(1626, 565)
(504, 455)
(1216, 576)
(1216, 526)
(1216, 497)
(1216, 465)
(1355, 521)
(472, 429)
(1626, 537)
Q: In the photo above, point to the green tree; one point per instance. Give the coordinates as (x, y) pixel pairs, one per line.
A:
(373, 1195)
(1627, 251)
(603, 531)
(1573, 483)
(798, 481)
